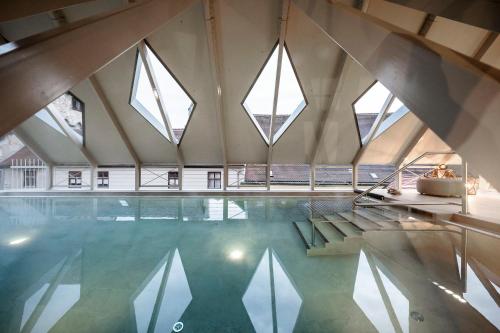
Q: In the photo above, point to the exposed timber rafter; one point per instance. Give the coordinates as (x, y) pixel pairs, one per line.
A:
(11, 10)
(480, 13)
(47, 65)
(281, 47)
(485, 45)
(217, 64)
(96, 86)
(457, 97)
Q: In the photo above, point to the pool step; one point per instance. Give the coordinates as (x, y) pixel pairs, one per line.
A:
(302, 233)
(383, 221)
(330, 234)
(338, 231)
(363, 222)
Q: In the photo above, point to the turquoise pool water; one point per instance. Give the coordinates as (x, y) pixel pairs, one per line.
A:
(113, 264)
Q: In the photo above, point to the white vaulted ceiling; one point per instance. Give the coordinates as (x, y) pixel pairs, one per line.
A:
(246, 32)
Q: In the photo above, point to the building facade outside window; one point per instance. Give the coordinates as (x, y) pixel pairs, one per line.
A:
(103, 179)
(173, 178)
(29, 178)
(214, 180)
(74, 179)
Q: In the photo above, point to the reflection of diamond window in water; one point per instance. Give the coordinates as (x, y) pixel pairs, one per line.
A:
(371, 283)
(164, 296)
(259, 101)
(477, 294)
(60, 291)
(258, 298)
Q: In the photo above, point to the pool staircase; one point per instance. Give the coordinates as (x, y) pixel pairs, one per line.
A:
(336, 233)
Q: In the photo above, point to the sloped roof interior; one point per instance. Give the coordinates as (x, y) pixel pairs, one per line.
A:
(247, 32)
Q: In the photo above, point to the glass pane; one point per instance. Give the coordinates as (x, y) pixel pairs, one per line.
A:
(143, 99)
(368, 106)
(178, 105)
(259, 101)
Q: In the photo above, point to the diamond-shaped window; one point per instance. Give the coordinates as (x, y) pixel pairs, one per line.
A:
(176, 104)
(258, 103)
(68, 111)
(369, 105)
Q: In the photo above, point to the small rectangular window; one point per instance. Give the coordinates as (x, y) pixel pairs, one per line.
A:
(76, 104)
(173, 178)
(74, 179)
(214, 180)
(29, 179)
(103, 179)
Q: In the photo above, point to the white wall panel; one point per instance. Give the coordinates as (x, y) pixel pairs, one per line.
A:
(197, 178)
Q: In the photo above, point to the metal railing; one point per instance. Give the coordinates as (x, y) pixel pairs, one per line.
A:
(355, 202)
(490, 233)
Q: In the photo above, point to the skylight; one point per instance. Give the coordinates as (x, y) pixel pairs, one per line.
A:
(259, 101)
(176, 102)
(143, 98)
(44, 116)
(69, 109)
(369, 106)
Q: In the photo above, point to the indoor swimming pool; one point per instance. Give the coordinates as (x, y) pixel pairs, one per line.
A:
(200, 264)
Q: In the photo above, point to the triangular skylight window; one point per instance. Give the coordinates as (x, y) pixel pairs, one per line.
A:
(177, 104)
(68, 111)
(259, 101)
(370, 104)
(45, 116)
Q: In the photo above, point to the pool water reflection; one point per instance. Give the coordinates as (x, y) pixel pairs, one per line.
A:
(131, 264)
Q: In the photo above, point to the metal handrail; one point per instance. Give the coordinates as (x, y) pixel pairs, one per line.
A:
(490, 233)
(406, 166)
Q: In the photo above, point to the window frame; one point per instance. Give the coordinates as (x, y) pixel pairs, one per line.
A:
(103, 179)
(82, 110)
(77, 179)
(212, 178)
(30, 178)
(288, 123)
(175, 180)
(143, 111)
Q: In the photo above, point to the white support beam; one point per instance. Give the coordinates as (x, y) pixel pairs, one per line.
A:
(217, 65)
(118, 126)
(465, 193)
(281, 46)
(411, 145)
(373, 130)
(11, 10)
(41, 68)
(329, 110)
(454, 95)
(160, 100)
(32, 145)
(71, 135)
(355, 177)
